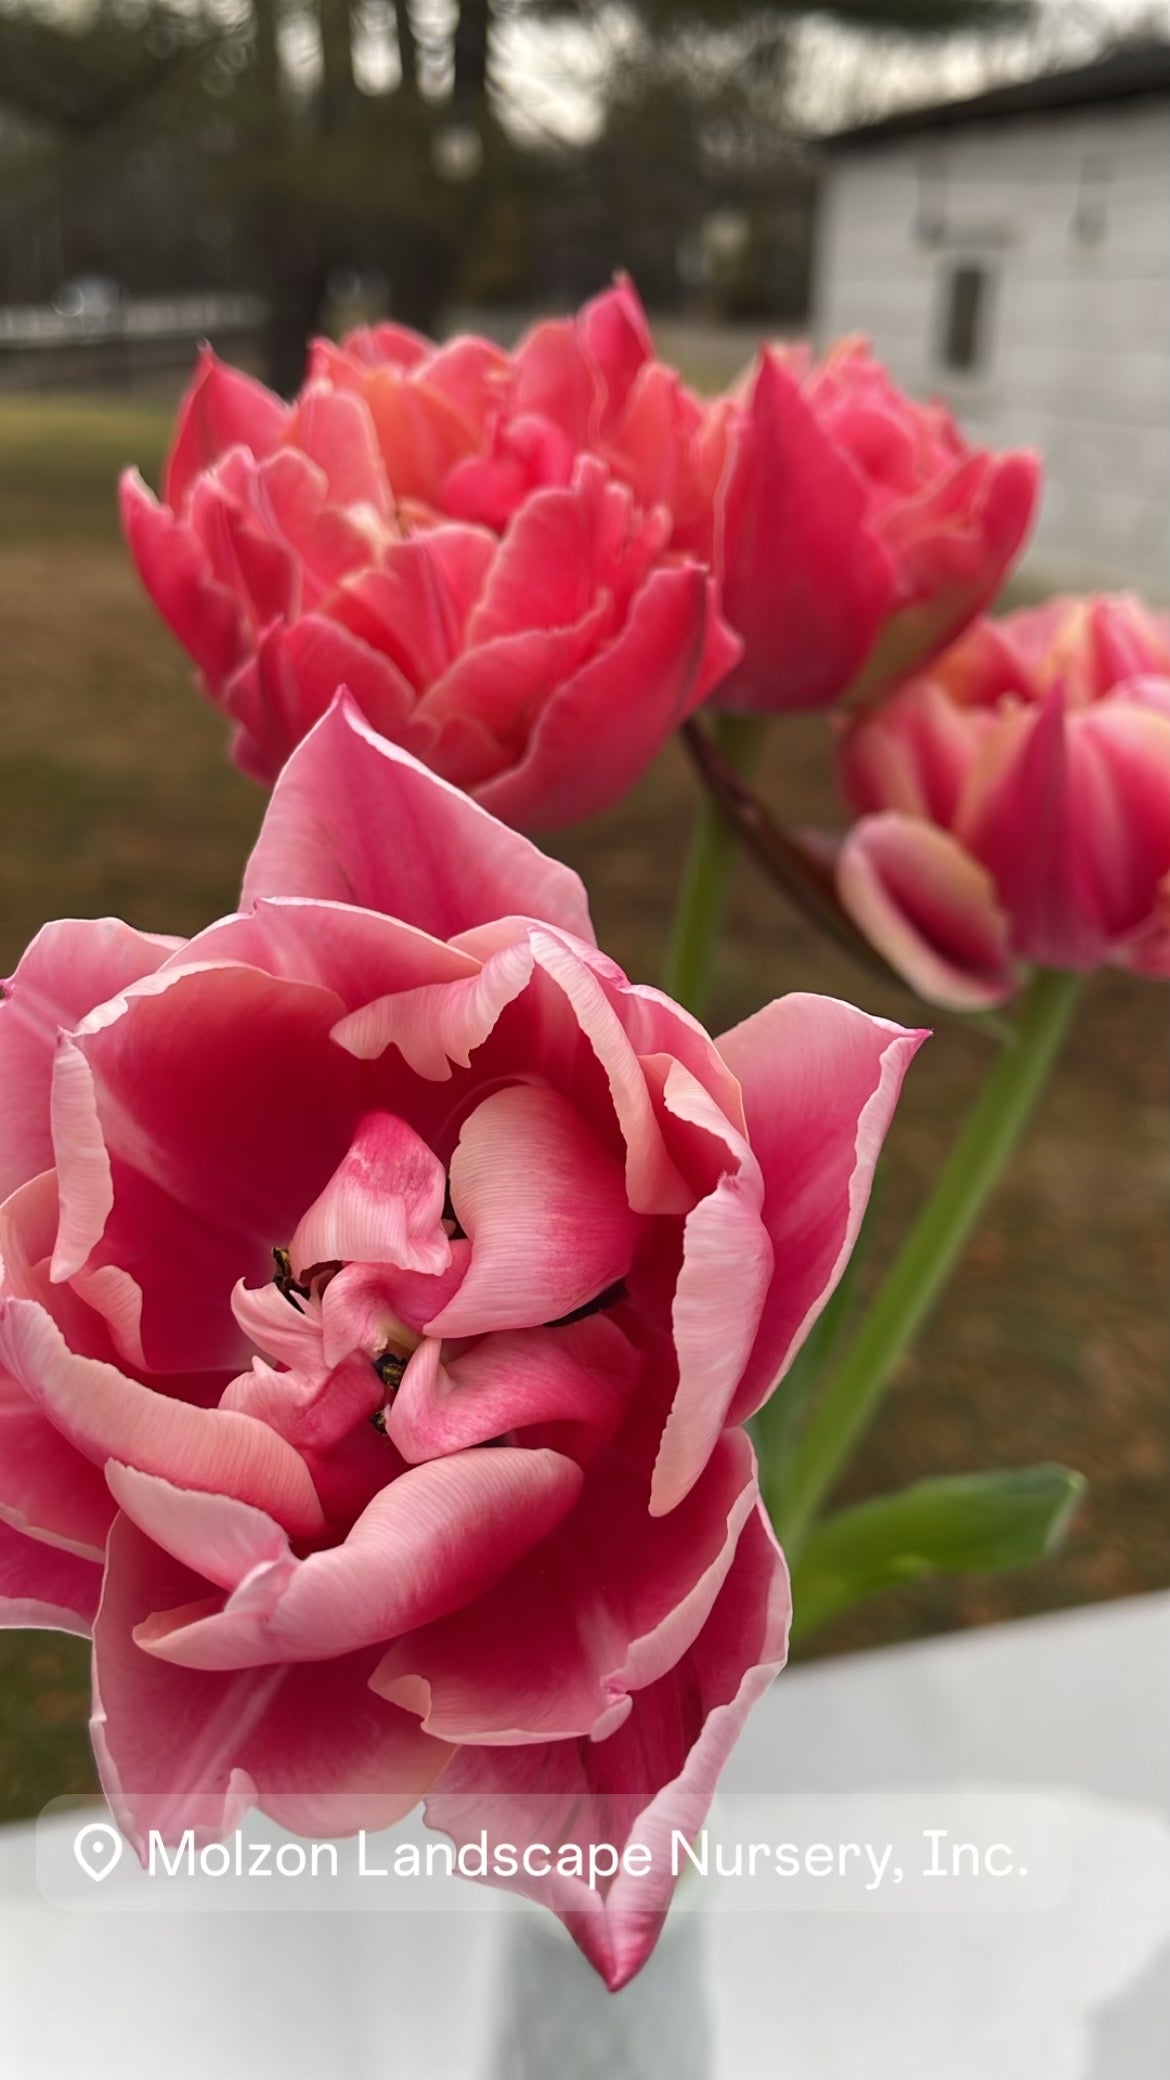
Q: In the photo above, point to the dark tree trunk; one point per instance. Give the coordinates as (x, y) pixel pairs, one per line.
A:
(407, 46)
(473, 31)
(296, 306)
(422, 269)
(337, 82)
(295, 258)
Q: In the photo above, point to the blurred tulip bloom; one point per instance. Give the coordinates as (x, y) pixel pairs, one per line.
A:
(853, 532)
(1014, 804)
(491, 594)
(514, 561)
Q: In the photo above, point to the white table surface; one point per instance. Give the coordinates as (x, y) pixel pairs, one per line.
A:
(1076, 1707)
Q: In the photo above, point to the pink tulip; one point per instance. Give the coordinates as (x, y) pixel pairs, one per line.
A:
(1014, 804)
(458, 1505)
(485, 588)
(853, 532)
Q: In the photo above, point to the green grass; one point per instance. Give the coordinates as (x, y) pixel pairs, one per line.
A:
(115, 795)
(60, 459)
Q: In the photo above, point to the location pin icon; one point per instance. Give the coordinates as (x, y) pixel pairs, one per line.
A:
(98, 1849)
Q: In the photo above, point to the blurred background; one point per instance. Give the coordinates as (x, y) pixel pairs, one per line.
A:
(256, 170)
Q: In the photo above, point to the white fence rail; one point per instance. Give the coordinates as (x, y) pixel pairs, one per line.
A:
(145, 318)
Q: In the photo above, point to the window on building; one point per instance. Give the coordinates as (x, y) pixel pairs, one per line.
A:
(964, 338)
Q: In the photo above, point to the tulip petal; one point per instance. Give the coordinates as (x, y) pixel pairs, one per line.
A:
(653, 1183)
(181, 1748)
(217, 1537)
(726, 1247)
(544, 1206)
(335, 431)
(820, 1082)
(46, 1488)
(806, 582)
(291, 681)
(930, 909)
(413, 605)
(433, 1538)
(105, 1415)
(186, 1150)
(653, 1777)
(44, 1588)
(70, 967)
(508, 1669)
(441, 1023)
(358, 954)
(382, 1205)
(206, 616)
(222, 409)
(952, 547)
(580, 1375)
(355, 819)
(639, 687)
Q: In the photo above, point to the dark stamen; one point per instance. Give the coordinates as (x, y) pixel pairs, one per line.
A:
(390, 1366)
(457, 1234)
(612, 1294)
(283, 1280)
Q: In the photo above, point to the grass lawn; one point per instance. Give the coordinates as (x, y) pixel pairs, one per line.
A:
(115, 795)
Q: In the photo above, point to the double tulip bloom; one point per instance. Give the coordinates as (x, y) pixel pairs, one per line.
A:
(529, 568)
(1014, 804)
(386, 1282)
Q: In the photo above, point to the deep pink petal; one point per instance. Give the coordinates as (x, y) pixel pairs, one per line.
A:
(186, 1147)
(806, 582)
(413, 605)
(555, 376)
(672, 651)
(912, 754)
(514, 1667)
(45, 1588)
(951, 547)
(820, 1082)
(1120, 788)
(617, 335)
(206, 615)
(653, 1182)
(436, 1536)
(222, 409)
(930, 908)
(358, 954)
(293, 679)
(449, 866)
(656, 1774)
(70, 967)
(182, 1748)
(105, 1415)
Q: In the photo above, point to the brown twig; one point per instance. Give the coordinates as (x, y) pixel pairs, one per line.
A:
(793, 868)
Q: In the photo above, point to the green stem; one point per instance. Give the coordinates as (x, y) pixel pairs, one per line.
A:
(710, 858)
(930, 1250)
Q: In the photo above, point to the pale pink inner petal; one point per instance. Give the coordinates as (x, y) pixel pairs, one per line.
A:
(543, 1204)
(383, 1204)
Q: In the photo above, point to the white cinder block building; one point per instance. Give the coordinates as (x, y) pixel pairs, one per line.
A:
(1011, 253)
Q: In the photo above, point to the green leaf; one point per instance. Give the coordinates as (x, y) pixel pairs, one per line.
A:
(978, 1523)
(776, 1427)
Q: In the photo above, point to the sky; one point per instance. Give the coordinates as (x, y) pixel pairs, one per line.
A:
(841, 76)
